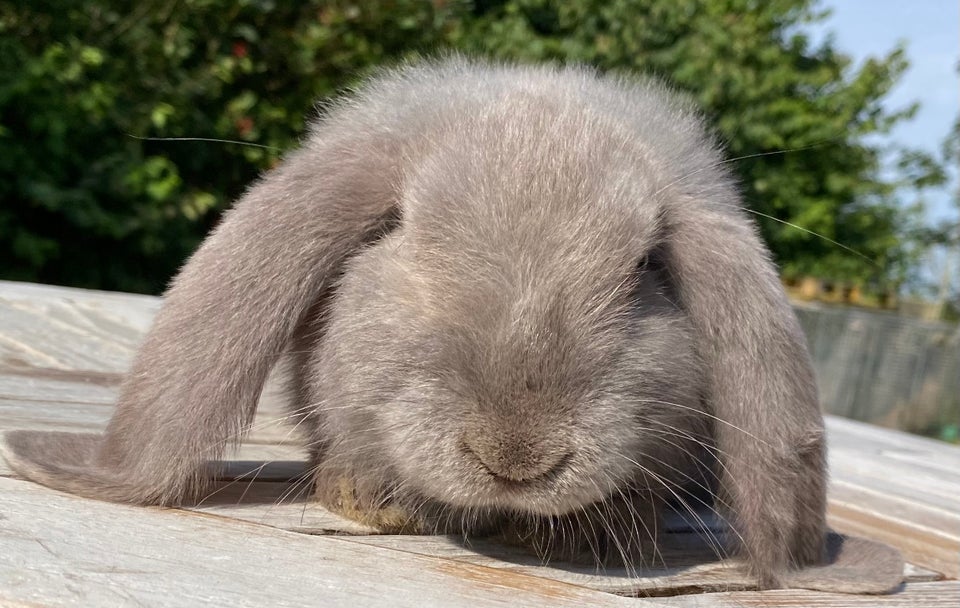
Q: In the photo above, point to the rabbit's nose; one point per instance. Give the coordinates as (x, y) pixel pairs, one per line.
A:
(515, 458)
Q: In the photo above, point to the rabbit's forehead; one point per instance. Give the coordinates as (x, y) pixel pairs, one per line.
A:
(544, 223)
(522, 261)
(546, 164)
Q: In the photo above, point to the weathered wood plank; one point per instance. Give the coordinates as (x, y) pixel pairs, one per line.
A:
(901, 464)
(920, 595)
(48, 384)
(851, 512)
(859, 435)
(911, 482)
(62, 352)
(932, 518)
(279, 505)
(62, 328)
(913, 573)
(53, 399)
(677, 569)
(854, 508)
(56, 549)
(53, 415)
(896, 488)
(36, 292)
(283, 462)
(691, 570)
(683, 563)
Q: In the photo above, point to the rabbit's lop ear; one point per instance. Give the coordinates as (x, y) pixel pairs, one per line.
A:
(767, 420)
(760, 386)
(226, 318)
(853, 565)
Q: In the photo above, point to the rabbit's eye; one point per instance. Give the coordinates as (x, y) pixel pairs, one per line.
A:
(642, 264)
(653, 261)
(652, 280)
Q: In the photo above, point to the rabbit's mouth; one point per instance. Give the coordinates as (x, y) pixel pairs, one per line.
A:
(554, 491)
(547, 476)
(517, 466)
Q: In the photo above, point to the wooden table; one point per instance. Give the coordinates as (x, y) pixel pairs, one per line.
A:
(62, 353)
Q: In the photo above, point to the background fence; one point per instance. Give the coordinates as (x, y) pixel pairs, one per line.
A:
(886, 369)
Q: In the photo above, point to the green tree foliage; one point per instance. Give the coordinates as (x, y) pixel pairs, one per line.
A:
(797, 116)
(83, 203)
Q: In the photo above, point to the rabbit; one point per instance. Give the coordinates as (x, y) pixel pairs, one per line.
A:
(521, 293)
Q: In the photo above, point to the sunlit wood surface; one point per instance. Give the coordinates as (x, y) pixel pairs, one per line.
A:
(263, 543)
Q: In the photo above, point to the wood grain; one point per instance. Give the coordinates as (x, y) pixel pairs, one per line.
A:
(927, 595)
(896, 488)
(56, 549)
(62, 355)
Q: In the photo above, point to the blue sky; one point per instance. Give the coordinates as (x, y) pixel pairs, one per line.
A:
(931, 31)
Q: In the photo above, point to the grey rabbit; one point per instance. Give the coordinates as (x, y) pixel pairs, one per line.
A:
(511, 292)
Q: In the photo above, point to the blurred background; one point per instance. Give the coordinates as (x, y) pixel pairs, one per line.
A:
(845, 113)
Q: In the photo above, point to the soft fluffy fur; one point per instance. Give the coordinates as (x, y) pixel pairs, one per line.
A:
(511, 290)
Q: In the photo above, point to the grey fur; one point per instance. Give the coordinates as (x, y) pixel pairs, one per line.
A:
(511, 290)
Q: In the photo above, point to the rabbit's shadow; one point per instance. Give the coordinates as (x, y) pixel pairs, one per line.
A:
(691, 553)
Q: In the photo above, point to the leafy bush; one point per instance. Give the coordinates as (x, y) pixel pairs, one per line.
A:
(84, 202)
